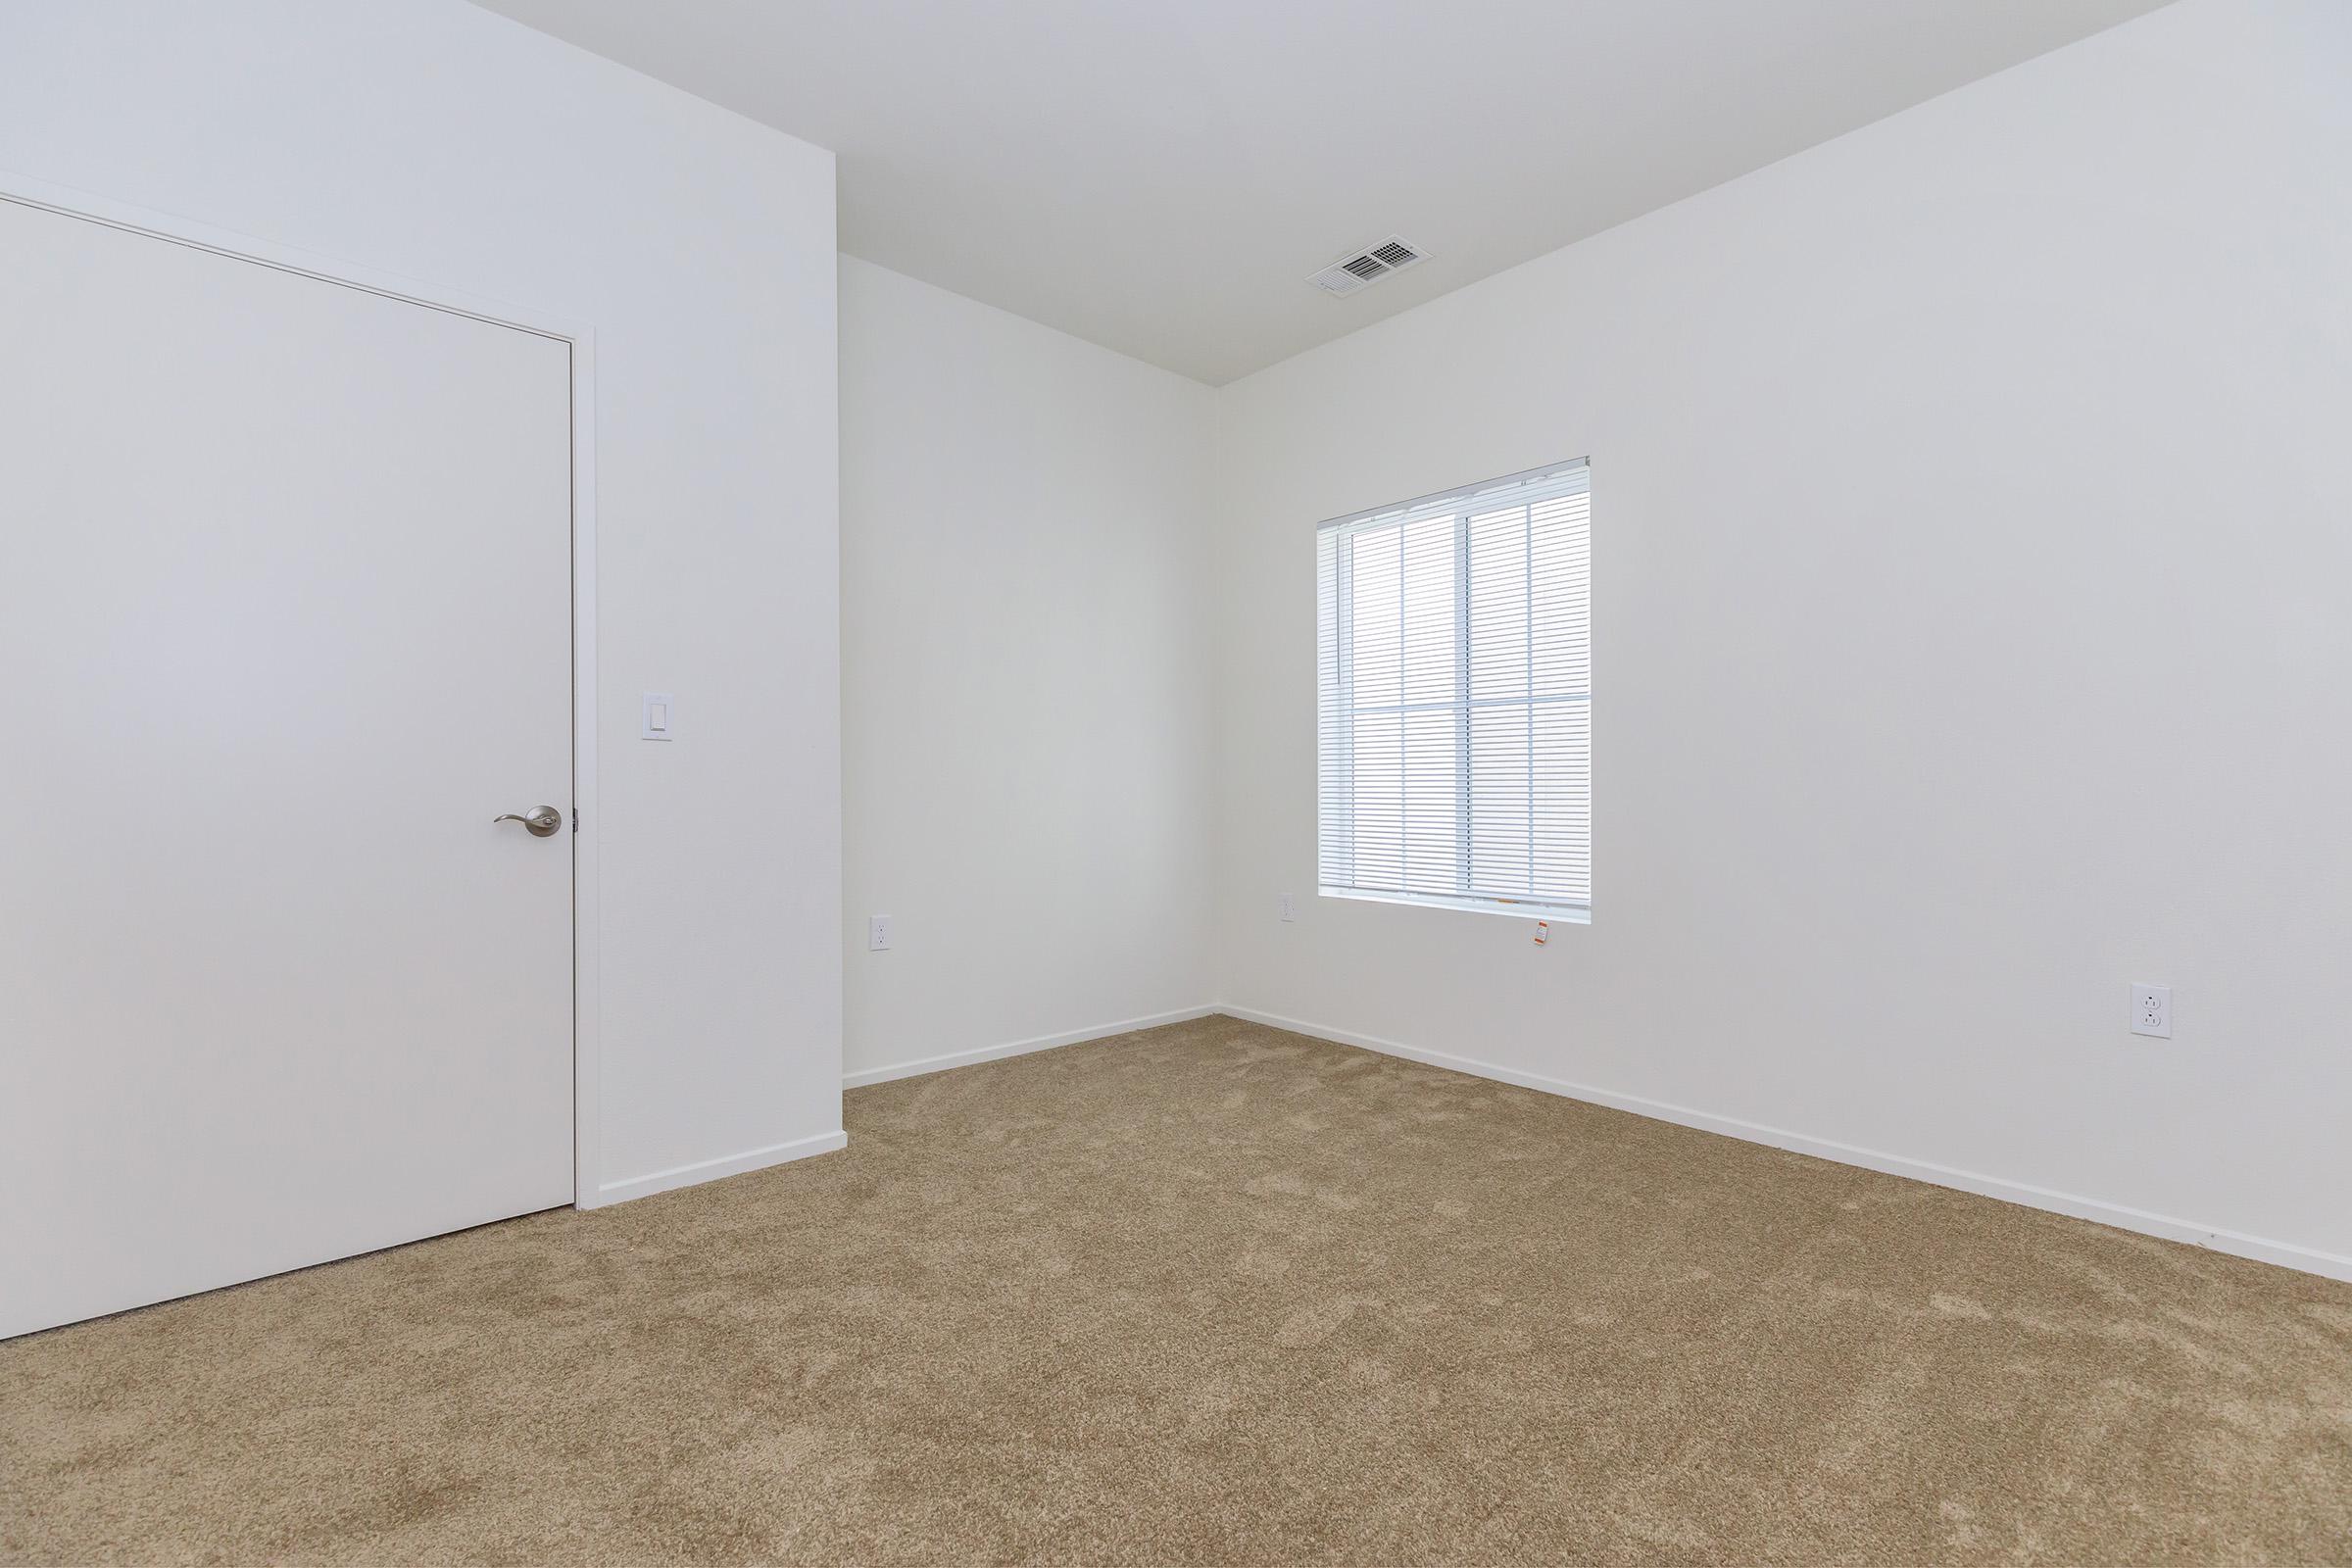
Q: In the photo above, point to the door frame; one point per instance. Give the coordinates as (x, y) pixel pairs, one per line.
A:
(579, 339)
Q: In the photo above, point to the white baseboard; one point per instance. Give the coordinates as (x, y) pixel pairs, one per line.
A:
(1017, 1047)
(710, 1170)
(2287, 1256)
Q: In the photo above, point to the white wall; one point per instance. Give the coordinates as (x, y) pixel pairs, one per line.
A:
(1025, 678)
(1972, 528)
(428, 138)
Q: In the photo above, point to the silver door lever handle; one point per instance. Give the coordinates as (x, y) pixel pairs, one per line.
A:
(542, 820)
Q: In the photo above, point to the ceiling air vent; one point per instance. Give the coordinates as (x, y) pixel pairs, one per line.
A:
(1367, 266)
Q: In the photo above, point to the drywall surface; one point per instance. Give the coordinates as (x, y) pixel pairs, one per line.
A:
(431, 139)
(1971, 521)
(1025, 679)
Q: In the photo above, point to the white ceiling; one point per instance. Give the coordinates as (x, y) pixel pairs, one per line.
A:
(1160, 178)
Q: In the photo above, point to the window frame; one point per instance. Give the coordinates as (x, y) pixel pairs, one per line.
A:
(1531, 488)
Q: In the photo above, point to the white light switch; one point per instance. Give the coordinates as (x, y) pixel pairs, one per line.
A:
(658, 711)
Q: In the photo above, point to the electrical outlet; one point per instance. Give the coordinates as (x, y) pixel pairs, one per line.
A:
(1290, 907)
(2152, 1010)
(877, 933)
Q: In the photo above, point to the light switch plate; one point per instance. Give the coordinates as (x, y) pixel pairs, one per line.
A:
(661, 716)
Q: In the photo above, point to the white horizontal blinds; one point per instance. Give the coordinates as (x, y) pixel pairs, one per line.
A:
(1454, 694)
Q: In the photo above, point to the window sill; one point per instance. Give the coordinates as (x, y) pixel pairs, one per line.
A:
(1558, 913)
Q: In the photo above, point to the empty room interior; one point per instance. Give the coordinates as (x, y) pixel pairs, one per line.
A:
(869, 781)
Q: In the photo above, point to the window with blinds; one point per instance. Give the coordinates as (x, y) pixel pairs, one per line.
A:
(1455, 695)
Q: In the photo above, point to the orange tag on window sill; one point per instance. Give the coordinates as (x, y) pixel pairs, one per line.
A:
(1543, 932)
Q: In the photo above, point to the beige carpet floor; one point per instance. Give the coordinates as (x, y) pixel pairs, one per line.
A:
(1215, 1293)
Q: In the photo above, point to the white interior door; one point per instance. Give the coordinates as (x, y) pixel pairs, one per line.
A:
(285, 622)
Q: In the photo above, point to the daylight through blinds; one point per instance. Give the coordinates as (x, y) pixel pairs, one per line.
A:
(1456, 694)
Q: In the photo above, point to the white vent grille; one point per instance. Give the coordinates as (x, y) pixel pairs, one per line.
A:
(1367, 266)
